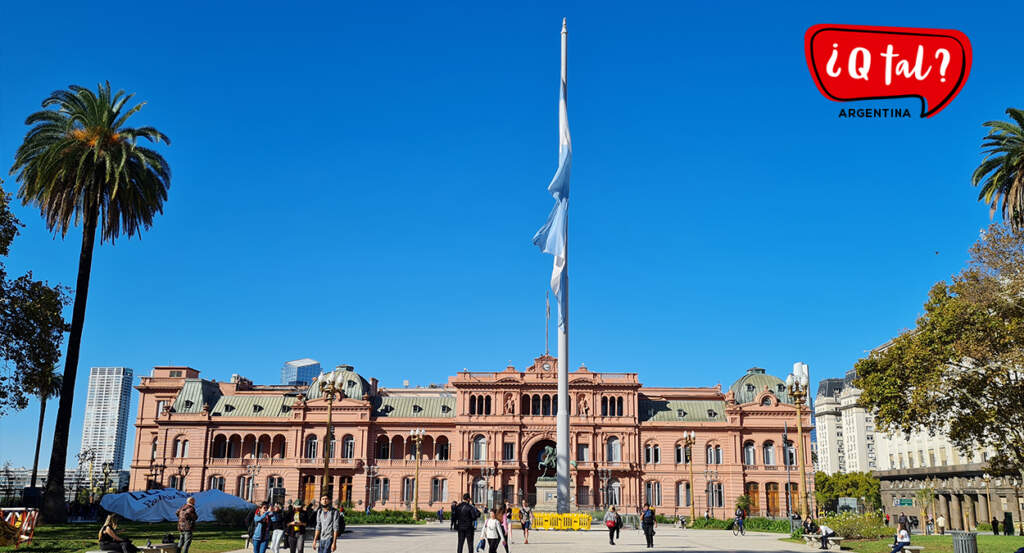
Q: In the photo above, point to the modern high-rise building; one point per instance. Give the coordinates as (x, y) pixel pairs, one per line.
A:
(106, 416)
(845, 430)
(300, 372)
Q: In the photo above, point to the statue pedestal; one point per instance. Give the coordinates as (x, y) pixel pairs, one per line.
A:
(547, 495)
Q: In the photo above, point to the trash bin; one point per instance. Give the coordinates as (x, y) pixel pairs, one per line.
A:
(965, 542)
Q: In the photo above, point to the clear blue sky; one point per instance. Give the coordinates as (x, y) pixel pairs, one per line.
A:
(361, 186)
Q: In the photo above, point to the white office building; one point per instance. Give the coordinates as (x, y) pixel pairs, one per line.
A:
(845, 430)
(106, 416)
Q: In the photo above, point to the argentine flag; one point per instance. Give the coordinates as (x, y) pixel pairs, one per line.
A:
(553, 237)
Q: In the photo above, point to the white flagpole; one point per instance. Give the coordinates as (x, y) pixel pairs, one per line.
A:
(562, 429)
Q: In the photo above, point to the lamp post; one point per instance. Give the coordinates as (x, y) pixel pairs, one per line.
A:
(488, 473)
(988, 494)
(710, 477)
(107, 467)
(371, 476)
(253, 470)
(1016, 504)
(797, 383)
(329, 387)
(416, 437)
(789, 480)
(688, 441)
(182, 472)
(604, 475)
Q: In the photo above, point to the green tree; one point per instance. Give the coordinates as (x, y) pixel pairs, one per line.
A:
(1001, 173)
(45, 385)
(80, 163)
(31, 324)
(743, 502)
(958, 371)
(828, 489)
(925, 498)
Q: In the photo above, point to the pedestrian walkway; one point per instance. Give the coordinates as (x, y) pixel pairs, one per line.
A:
(434, 538)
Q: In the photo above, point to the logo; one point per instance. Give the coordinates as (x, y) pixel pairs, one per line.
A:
(857, 62)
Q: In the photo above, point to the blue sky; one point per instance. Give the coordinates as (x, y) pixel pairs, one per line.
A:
(360, 185)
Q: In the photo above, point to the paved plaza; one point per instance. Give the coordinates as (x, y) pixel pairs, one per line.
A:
(434, 538)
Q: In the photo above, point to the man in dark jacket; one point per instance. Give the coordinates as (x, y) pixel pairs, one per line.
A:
(464, 516)
(186, 523)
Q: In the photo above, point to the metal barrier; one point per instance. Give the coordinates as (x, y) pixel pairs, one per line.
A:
(965, 542)
(555, 521)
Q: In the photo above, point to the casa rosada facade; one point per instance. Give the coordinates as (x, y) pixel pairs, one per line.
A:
(483, 434)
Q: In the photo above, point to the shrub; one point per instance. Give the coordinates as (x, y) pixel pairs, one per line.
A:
(985, 527)
(712, 524)
(761, 524)
(232, 517)
(856, 527)
(386, 517)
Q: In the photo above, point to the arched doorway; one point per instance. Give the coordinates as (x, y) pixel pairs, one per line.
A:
(533, 471)
(754, 493)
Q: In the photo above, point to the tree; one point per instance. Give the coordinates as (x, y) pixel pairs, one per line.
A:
(31, 324)
(959, 371)
(743, 502)
(80, 163)
(1001, 173)
(925, 498)
(828, 489)
(45, 384)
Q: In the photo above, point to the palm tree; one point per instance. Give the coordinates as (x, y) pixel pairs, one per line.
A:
(80, 163)
(45, 385)
(1001, 174)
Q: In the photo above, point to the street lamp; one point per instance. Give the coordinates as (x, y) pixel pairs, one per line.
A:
(182, 472)
(416, 436)
(797, 383)
(330, 386)
(371, 475)
(253, 470)
(605, 475)
(688, 441)
(710, 476)
(789, 480)
(488, 473)
(107, 468)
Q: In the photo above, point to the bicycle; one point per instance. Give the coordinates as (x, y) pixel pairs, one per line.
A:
(738, 528)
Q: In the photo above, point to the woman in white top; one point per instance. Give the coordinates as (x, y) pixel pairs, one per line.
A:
(494, 532)
(902, 539)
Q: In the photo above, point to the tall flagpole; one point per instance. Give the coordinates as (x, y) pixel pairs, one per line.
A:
(562, 429)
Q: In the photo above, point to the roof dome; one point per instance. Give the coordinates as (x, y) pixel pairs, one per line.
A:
(345, 378)
(750, 385)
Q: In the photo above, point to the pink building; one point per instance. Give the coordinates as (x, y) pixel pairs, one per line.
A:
(483, 434)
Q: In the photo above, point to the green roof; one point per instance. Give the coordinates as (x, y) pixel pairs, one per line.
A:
(354, 385)
(194, 393)
(750, 385)
(435, 407)
(253, 406)
(660, 410)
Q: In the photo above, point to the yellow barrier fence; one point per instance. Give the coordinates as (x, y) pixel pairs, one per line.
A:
(555, 521)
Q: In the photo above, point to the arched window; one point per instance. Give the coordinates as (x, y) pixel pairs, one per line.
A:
(647, 454)
(554, 405)
(472, 405)
(614, 492)
(348, 447)
(657, 453)
(768, 453)
(767, 400)
(383, 450)
(220, 447)
(479, 491)
(535, 405)
(545, 406)
(439, 490)
(480, 448)
(487, 405)
(234, 446)
(441, 448)
(604, 406)
(524, 408)
(709, 454)
(614, 450)
(749, 453)
(397, 448)
(789, 454)
(618, 406)
(652, 492)
(311, 447)
(718, 455)
(683, 495)
(680, 459)
(216, 483)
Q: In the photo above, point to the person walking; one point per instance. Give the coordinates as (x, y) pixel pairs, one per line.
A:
(493, 532)
(611, 521)
(995, 526)
(454, 505)
(526, 521)
(325, 536)
(440, 515)
(186, 523)
(505, 516)
(295, 531)
(902, 539)
(277, 524)
(261, 528)
(464, 517)
(618, 524)
(941, 523)
(648, 523)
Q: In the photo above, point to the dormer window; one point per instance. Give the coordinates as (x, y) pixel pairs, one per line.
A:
(257, 408)
(350, 383)
(750, 387)
(446, 409)
(681, 413)
(188, 404)
(766, 401)
(712, 414)
(228, 408)
(417, 409)
(781, 388)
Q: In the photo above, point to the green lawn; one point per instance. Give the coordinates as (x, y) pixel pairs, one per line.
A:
(935, 544)
(76, 538)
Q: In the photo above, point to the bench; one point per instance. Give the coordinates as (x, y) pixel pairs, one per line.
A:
(815, 540)
(913, 548)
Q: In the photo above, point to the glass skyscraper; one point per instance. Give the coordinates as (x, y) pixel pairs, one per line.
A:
(300, 372)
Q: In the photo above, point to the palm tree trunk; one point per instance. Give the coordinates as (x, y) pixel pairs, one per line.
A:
(53, 501)
(39, 440)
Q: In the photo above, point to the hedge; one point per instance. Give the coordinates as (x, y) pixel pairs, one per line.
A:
(853, 526)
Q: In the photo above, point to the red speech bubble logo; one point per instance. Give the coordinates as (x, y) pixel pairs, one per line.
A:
(857, 62)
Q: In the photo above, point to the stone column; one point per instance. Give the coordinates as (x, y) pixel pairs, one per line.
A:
(969, 521)
(956, 519)
(983, 510)
(943, 510)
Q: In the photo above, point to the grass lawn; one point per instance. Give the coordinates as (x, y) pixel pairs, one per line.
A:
(76, 538)
(934, 544)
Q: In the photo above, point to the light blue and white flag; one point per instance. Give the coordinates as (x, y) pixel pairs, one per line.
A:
(553, 237)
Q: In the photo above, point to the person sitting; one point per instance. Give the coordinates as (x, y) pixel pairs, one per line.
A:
(110, 540)
(826, 533)
(809, 526)
(902, 539)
